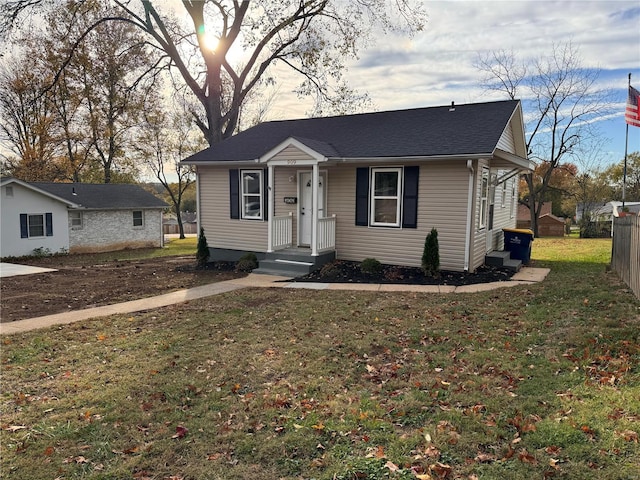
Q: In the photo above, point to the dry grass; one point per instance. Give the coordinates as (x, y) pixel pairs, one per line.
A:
(537, 381)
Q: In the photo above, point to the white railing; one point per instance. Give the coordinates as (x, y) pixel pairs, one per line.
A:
(281, 232)
(327, 233)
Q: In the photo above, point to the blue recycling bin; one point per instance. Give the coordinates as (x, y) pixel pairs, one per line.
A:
(518, 242)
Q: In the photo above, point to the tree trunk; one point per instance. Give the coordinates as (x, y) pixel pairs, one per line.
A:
(180, 225)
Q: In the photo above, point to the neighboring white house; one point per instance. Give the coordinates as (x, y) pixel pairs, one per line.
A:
(77, 217)
(605, 212)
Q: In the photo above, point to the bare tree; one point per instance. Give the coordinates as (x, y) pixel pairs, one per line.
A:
(311, 37)
(166, 139)
(565, 103)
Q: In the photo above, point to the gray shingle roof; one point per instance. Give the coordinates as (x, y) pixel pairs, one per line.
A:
(436, 131)
(114, 196)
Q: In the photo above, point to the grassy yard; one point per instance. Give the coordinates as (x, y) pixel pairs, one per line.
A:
(532, 382)
(173, 247)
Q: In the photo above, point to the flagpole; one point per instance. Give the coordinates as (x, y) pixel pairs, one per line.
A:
(624, 170)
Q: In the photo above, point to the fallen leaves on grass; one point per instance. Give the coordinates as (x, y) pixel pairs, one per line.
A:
(13, 428)
(629, 435)
(181, 432)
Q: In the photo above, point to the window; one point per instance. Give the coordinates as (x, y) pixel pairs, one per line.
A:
(385, 196)
(138, 219)
(34, 225)
(251, 194)
(76, 220)
(484, 198)
(9, 191)
(514, 199)
(247, 194)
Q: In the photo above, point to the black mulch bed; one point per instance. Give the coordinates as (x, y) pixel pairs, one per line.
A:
(342, 271)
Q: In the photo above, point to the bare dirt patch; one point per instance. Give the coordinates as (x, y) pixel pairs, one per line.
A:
(76, 287)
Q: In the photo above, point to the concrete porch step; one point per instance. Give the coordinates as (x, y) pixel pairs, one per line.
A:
(294, 262)
(502, 259)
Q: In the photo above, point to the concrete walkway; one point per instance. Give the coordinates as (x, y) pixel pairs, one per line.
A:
(525, 276)
(13, 269)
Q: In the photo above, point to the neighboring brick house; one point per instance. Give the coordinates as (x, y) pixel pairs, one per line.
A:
(96, 217)
(548, 224)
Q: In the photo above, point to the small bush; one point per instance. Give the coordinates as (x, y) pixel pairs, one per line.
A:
(247, 262)
(431, 254)
(202, 252)
(41, 252)
(371, 266)
(330, 270)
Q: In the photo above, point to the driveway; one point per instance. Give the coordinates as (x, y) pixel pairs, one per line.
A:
(13, 269)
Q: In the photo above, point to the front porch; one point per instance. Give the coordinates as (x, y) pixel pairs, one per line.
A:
(323, 234)
(301, 237)
(286, 259)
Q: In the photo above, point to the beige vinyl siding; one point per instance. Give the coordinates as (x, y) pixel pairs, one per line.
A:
(502, 215)
(507, 142)
(292, 153)
(221, 230)
(478, 242)
(441, 204)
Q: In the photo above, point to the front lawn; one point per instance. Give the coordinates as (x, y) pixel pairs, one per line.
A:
(531, 382)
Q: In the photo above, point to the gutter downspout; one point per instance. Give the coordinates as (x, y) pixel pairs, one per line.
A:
(198, 209)
(467, 241)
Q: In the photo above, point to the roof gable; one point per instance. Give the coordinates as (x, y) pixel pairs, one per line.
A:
(471, 129)
(35, 188)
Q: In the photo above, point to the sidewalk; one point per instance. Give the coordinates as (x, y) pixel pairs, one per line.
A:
(525, 276)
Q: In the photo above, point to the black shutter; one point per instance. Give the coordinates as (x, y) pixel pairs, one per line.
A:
(410, 197)
(49, 224)
(265, 194)
(362, 196)
(24, 227)
(234, 193)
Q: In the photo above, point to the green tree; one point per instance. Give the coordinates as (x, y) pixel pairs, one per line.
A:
(431, 253)
(615, 175)
(202, 250)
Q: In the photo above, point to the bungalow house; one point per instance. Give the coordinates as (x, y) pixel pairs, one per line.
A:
(365, 186)
(77, 217)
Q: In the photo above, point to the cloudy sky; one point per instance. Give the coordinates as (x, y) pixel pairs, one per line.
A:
(436, 66)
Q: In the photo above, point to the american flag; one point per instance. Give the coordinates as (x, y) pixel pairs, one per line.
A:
(632, 112)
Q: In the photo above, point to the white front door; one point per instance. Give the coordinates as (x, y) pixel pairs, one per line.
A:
(305, 210)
